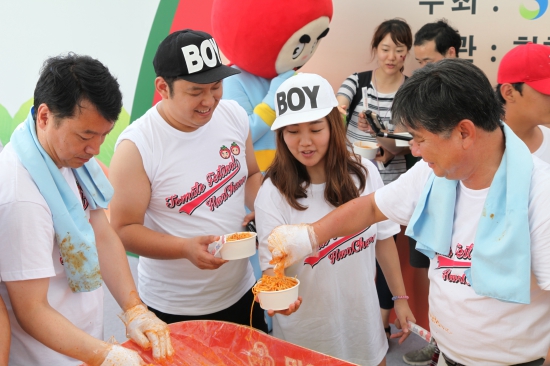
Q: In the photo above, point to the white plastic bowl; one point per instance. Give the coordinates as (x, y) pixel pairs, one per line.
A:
(239, 249)
(366, 149)
(278, 300)
(402, 142)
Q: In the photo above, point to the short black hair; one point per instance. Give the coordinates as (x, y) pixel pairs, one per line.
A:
(439, 95)
(67, 80)
(170, 80)
(517, 86)
(442, 33)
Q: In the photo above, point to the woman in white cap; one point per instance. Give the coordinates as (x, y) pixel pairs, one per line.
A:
(313, 173)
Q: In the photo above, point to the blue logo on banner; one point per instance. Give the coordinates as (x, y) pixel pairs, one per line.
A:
(534, 14)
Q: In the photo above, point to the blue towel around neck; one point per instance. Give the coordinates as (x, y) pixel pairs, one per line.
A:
(494, 271)
(73, 232)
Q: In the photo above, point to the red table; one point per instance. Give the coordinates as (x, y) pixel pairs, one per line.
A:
(220, 343)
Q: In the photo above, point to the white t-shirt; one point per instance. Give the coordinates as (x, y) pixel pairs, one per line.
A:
(197, 188)
(472, 329)
(379, 103)
(340, 314)
(28, 251)
(543, 152)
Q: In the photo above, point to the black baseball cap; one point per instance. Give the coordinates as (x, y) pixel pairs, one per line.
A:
(191, 55)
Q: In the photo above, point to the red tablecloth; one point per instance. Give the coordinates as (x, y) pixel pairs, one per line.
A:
(220, 343)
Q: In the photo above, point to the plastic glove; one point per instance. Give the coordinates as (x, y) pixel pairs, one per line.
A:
(120, 356)
(290, 243)
(276, 82)
(148, 331)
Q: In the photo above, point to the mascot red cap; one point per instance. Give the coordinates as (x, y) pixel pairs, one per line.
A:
(258, 36)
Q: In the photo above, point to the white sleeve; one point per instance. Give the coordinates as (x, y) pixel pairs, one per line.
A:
(387, 228)
(236, 115)
(539, 224)
(268, 216)
(398, 199)
(27, 236)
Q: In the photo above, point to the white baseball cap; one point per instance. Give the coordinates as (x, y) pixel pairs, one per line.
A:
(303, 98)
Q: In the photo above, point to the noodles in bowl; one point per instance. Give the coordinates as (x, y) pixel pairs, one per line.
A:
(276, 293)
(239, 245)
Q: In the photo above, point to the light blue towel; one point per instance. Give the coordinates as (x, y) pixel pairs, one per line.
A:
(501, 260)
(73, 232)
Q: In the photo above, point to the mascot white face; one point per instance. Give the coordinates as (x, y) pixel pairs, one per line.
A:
(301, 45)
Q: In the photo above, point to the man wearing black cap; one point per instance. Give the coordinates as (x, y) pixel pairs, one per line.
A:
(191, 168)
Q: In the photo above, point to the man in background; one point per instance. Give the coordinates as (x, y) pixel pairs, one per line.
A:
(524, 89)
(436, 41)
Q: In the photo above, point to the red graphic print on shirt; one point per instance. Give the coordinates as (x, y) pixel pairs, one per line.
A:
(224, 152)
(331, 248)
(85, 203)
(235, 149)
(463, 259)
(216, 180)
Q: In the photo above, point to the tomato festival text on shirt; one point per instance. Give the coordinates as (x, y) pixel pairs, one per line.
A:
(463, 259)
(335, 254)
(216, 180)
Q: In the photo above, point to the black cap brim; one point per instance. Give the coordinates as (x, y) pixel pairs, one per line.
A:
(212, 75)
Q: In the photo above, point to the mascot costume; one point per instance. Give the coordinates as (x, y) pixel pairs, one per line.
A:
(268, 41)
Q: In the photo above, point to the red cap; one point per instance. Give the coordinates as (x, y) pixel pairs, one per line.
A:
(529, 64)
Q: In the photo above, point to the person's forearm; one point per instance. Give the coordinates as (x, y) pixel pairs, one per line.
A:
(389, 145)
(145, 242)
(388, 259)
(348, 219)
(547, 362)
(49, 327)
(5, 335)
(252, 186)
(113, 263)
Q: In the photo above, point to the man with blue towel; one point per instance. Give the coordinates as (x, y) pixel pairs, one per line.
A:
(57, 246)
(478, 207)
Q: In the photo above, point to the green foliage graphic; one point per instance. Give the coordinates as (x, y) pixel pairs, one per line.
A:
(9, 123)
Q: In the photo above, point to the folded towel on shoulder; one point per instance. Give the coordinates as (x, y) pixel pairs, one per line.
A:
(73, 232)
(494, 272)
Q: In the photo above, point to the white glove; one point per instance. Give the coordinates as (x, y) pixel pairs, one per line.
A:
(290, 243)
(148, 331)
(120, 356)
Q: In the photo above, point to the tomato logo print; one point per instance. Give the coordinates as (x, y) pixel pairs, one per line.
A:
(235, 149)
(224, 152)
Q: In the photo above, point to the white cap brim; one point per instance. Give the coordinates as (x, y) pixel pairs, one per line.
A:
(304, 117)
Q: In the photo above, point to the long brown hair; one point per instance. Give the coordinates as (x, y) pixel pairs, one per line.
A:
(292, 179)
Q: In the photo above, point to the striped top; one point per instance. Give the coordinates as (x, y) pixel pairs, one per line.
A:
(380, 104)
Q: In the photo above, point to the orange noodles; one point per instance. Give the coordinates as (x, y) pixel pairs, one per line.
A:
(238, 236)
(279, 268)
(274, 283)
(275, 244)
(271, 283)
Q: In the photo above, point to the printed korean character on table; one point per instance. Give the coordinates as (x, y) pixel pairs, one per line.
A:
(468, 47)
(461, 5)
(431, 4)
